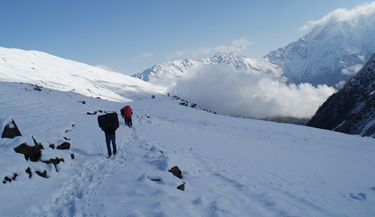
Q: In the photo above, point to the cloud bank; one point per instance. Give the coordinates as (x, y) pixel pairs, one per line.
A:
(224, 90)
(342, 14)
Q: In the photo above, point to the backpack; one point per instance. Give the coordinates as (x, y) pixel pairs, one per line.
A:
(108, 120)
(128, 111)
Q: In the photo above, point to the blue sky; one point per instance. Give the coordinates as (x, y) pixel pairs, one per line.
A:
(131, 36)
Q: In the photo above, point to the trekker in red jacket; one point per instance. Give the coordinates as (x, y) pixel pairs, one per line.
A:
(128, 116)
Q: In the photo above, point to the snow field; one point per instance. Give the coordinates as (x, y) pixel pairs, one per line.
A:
(231, 166)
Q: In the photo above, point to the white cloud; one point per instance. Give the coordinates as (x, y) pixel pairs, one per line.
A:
(352, 70)
(237, 46)
(222, 89)
(141, 57)
(104, 67)
(342, 14)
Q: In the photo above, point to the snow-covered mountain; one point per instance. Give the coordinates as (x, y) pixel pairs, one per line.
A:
(334, 50)
(165, 74)
(230, 166)
(46, 70)
(352, 109)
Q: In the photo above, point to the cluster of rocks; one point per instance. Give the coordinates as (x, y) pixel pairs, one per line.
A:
(32, 153)
(177, 172)
(184, 102)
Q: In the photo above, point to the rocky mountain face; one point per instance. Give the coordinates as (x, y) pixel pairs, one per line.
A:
(330, 54)
(352, 109)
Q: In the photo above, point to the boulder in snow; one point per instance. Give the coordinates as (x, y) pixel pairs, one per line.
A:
(11, 130)
(64, 145)
(31, 152)
(176, 171)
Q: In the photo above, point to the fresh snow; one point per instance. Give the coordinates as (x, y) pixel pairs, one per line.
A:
(231, 166)
(46, 70)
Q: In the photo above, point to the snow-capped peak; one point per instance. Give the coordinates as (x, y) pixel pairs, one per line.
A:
(335, 49)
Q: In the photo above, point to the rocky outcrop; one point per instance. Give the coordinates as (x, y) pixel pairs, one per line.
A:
(32, 153)
(11, 130)
(352, 109)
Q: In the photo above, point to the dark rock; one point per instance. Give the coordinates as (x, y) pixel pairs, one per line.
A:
(42, 174)
(32, 153)
(54, 162)
(72, 156)
(11, 130)
(14, 176)
(181, 187)
(37, 144)
(37, 88)
(7, 179)
(64, 145)
(28, 171)
(176, 171)
(52, 146)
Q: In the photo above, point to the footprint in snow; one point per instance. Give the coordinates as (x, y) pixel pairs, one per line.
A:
(359, 196)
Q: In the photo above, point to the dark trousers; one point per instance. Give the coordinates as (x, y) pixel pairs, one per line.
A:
(128, 122)
(109, 138)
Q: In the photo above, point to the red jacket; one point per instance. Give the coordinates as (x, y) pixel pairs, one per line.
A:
(128, 111)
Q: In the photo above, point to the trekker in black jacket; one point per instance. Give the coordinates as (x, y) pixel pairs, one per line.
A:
(110, 135)
(109, 124)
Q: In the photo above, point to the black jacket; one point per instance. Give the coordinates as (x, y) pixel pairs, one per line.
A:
(110, 131)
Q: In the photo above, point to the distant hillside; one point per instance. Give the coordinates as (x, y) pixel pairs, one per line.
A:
(46, 70)
(352, 109)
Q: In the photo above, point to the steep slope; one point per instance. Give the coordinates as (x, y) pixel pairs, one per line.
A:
(332, 52)
(352, 109)
(230, 166)
(53, 72)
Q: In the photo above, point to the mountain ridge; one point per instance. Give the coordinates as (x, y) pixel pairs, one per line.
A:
(330, 54)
